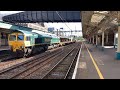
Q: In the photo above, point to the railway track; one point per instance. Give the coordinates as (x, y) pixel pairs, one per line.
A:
(41, 70)
(18, 70)
(62, 69)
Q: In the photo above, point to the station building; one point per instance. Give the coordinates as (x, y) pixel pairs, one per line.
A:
(4, 36)
(38, 26)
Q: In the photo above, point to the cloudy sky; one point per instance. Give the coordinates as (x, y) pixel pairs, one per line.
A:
(65, 26)
(9, 12)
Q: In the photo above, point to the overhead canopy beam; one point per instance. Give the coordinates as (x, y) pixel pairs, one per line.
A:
(43, 16)
(110, 21)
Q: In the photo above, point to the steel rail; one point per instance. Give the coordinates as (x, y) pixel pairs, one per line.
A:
(71, 64)
(57, 64)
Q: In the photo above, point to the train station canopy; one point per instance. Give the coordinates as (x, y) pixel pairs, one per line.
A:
(43, 16)
(94, 22)
(12, 27)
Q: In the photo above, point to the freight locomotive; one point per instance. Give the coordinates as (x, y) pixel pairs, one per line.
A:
(26, 43)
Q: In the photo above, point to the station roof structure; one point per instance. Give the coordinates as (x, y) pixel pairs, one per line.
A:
(94, 22)
(43, 16)
(5, 25)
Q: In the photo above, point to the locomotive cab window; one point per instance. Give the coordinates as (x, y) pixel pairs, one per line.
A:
(12, 38)
(20, 37)
(27, 38)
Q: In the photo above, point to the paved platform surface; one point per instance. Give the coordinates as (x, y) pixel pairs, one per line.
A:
(105, 61)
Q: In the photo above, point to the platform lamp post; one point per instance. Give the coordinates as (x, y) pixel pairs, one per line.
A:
(62, 31)
(118, 47)
(57, 32)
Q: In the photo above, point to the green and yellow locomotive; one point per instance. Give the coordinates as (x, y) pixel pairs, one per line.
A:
(28, 42)
(25, 41)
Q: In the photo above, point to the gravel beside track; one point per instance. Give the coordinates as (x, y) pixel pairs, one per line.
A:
(30, 63)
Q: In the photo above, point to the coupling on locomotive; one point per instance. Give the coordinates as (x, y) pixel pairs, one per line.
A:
(27, 42)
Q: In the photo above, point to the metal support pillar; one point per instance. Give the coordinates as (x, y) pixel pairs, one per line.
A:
(114, 40)
(90, 40)
(107, 38)
(118, 47)
(87, 41)
(96, 40)
(102, 40)
(93, 40)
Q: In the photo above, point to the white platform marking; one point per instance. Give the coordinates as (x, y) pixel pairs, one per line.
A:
(76, 66)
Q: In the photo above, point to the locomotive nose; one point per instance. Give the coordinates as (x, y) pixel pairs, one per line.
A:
(15, 46)
(18, 46)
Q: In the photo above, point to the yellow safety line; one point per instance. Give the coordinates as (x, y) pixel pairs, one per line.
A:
(98, 70)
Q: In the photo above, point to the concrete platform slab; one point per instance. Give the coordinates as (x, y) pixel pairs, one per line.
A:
(105, 60)
(86, 68)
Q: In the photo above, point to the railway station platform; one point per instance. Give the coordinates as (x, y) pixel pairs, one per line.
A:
(96, 64)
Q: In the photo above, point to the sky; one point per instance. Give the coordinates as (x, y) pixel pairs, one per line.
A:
(9, 12)
(65, 26)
